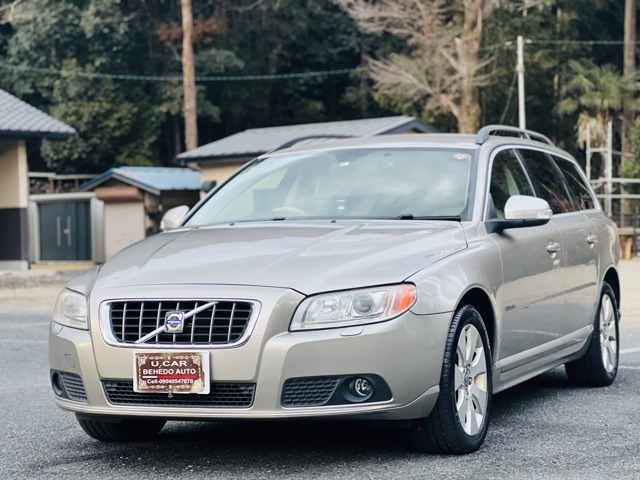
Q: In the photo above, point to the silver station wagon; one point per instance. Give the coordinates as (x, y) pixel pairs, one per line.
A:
(405, 278)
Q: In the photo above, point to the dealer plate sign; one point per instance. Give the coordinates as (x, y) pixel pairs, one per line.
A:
(170, 372)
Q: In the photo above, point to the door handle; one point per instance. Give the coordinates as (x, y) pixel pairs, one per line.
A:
(592, 239)
(58, 232)
(553, 247)
(67, 231)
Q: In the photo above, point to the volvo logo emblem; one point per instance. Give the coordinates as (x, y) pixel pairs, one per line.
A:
(174, 321)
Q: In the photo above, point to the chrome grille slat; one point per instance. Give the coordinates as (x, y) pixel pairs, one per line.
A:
(206, 322)
(233, 309)
(213, 314)
(140, 320)
(124, 320)
(158, 320)
(193, 323)
(174, 335)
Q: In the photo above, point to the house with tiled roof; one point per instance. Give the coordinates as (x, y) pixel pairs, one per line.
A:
(219, 159)
(19, 122)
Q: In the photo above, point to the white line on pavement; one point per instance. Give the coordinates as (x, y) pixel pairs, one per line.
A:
(629, 367)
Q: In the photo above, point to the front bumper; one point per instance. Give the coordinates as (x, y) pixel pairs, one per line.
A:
(406, 353)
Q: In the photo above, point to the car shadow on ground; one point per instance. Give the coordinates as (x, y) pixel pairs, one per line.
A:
(292, 448)
(334, 436)
(330, 449)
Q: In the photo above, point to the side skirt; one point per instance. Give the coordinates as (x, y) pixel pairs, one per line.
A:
(525, 365)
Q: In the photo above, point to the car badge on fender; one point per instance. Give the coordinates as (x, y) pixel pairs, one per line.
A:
(174, 322)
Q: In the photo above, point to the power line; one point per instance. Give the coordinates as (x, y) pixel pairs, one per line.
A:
(178, 78)
(277, 76)
(579, 42)
(531, 41)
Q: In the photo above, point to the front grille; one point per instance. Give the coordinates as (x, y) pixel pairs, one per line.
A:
(308, 391)
(222, 395)
(73, 386)
(222, 323)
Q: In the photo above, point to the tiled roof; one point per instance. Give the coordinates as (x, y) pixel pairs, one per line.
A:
(20, 120)
(150, 179)
(257, 141)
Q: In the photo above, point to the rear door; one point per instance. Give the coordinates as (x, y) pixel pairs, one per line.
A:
(581, 248)
(578, 251)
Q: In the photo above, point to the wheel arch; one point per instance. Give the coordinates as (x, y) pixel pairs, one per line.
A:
(612, 278)
(481, 301)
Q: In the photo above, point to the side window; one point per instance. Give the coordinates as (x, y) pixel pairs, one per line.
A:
(547, 180)
(578, 188)
(507, 178)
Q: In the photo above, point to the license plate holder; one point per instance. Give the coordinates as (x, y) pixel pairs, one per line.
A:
(171, 372)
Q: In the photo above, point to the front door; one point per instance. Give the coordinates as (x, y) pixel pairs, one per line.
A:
(531, 295)
(65, 231)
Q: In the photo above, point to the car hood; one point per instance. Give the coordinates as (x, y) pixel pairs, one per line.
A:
(309, 257)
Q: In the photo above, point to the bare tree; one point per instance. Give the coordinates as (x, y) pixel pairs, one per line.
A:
(444, 67)
(9, 8)
(189, 78)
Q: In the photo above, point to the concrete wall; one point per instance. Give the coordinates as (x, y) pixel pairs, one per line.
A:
(14, 201)
(124, 224)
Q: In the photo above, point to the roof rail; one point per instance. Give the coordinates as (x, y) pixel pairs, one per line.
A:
(500, 130)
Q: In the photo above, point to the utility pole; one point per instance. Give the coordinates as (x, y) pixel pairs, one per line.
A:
(522, 120)
(629, 67)
(189, 78)
(608, 171)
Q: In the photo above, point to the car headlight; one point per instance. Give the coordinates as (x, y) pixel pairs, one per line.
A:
(354, 307)
(71, 310)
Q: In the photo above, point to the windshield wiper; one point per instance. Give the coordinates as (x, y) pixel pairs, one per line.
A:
(446, 218)
(404, 216)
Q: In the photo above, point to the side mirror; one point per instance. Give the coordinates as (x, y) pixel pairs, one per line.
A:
(173, 218)
(522, 211)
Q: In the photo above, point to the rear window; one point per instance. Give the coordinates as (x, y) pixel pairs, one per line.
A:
(578, 188)
(547, 180)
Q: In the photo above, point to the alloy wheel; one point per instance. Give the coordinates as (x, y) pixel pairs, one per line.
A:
(608, 334)
(470, 382)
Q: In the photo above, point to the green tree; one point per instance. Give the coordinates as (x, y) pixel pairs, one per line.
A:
(287, 36)
(114, 128)
(598, 93)
(119, 121)
(632, 169)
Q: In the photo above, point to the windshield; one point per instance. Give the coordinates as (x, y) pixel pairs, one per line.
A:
(350, 183)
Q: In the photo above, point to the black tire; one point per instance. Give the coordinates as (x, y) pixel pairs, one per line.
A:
(442, 431)
(599, 365)
(108, 429)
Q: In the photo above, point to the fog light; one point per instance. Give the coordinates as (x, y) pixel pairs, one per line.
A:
(56, 384)
(361, 388)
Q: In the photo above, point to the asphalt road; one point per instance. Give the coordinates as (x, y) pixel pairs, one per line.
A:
(543, 429)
